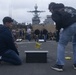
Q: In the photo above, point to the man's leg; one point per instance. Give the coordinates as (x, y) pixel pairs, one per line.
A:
(65, 36)
(11, 57)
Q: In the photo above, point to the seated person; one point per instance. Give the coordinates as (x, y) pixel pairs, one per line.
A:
(8, 49)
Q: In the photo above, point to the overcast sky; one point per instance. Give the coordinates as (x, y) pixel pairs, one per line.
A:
(17, 9)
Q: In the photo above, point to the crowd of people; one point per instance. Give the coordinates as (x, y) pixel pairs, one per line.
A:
(33, 35)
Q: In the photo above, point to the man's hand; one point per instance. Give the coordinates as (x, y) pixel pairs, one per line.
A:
(16, 45)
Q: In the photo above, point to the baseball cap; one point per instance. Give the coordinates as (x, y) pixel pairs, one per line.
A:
(54, 5)
(58, 6)
(51, 5)
(7, 19)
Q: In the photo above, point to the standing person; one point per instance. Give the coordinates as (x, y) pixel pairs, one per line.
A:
(20, 33)
(37, 33)
(14, 34)
(8, 50)
(41, 35)
(29, 34)
(68, 22)
(45, 32)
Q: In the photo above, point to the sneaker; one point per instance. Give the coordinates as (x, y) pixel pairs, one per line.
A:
(57, 67)
(74, 66)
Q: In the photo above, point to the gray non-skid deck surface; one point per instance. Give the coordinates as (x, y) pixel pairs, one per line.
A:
(39, 68)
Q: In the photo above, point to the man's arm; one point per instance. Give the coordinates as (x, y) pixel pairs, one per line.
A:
(10, 42)
(57, 35)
